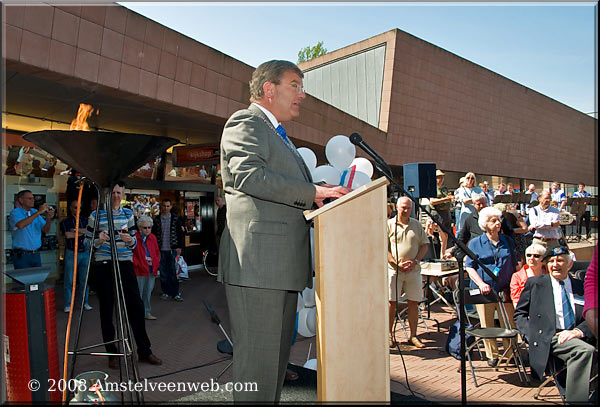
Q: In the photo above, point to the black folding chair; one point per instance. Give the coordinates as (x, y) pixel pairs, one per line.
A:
(555, 372)
(494, 333)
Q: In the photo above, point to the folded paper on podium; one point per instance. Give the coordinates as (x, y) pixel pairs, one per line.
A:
(351, 296)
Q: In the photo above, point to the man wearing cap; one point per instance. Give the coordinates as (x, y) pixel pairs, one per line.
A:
(549, 316)
(441, 206)
(544, 220)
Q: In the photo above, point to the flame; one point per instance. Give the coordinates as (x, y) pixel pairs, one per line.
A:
(80, 122)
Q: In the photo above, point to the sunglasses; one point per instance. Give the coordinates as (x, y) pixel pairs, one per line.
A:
(537, 256)
(146, 227)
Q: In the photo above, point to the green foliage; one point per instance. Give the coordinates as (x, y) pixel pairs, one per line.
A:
(308, 53)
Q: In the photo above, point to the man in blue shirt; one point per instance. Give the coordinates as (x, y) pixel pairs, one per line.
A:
(582, 193)
(26, 226)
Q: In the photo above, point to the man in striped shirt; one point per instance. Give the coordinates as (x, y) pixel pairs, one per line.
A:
(125, 241)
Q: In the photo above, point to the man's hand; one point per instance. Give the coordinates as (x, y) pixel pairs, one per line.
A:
(555, 224)
(103, 237)
(531, 228)
(328, 191)
(448, 254)
(126, 237)
(567, 335)
(43, 208)
(51, 213)
(409, 265)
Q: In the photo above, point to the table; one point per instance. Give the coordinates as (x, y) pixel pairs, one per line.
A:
(437, 273)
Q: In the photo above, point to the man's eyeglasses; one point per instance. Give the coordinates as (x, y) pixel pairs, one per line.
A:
(537, 256)
(297, 87)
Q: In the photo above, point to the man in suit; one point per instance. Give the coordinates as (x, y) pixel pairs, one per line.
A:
(264, 256)
(549, 316)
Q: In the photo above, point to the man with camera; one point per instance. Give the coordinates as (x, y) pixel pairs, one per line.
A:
(26, 226)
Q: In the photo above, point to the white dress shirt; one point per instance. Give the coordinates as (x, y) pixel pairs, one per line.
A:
(269, 115)
(542, 220)
(558, 308)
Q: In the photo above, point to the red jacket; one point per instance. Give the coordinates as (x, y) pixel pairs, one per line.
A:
(140, 265)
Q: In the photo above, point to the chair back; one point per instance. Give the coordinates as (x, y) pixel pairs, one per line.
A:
(474, 296)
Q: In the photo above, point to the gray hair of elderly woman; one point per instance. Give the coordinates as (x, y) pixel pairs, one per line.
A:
(270, 71)
(144, 219)
(478, 197)
(536, 248)
(485, 214)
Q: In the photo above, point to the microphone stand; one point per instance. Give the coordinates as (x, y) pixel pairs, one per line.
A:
(385, 170)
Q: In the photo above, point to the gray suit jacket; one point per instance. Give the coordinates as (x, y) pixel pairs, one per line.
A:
(267, 186)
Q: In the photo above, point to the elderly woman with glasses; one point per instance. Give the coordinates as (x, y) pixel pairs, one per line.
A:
(497, 252)
(464, 195)
(146, 259)
(534, 266)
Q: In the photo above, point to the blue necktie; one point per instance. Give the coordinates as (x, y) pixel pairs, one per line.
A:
(567, 310)
(282, 133)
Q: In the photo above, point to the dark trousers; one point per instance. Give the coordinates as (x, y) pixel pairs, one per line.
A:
(26, 260)
(135, 307)
(580, 219)
(168, 274)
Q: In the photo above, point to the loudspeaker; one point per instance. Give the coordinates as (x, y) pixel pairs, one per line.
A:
(419, 179)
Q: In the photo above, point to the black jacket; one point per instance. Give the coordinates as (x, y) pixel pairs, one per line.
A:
(176, 233)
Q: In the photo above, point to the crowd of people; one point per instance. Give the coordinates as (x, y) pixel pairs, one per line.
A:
(264, 246)
(523, 257)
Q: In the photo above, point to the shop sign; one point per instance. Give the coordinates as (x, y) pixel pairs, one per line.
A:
(195, 155)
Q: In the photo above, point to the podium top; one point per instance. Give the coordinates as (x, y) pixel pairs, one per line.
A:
(310, 214)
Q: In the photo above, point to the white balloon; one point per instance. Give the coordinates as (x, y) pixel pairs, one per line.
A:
(311, 364)
(308, 295)
(363, 165)
(340, 152)
(307, 322)
(360, 179)
(326, 173)
(310, 159)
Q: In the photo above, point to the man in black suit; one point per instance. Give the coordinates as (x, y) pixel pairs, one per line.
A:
(549, 316)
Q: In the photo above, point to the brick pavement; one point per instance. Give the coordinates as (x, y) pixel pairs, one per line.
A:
(185, 338)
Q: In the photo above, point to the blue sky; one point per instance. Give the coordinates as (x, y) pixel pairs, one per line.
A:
(548, 47)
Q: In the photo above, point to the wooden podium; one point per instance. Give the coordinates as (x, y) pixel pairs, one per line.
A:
(351, 296)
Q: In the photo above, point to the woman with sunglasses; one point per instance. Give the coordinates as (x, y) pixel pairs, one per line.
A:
(533, 267)
(146, 259)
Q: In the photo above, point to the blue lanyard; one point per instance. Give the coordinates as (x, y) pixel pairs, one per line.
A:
(496, 255)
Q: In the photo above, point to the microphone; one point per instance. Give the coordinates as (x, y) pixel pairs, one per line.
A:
(380, 163)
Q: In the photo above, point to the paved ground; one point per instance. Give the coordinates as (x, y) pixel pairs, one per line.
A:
(185, 338)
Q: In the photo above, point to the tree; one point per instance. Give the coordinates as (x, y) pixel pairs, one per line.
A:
(308, 53)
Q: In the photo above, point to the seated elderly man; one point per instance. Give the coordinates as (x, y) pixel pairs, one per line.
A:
(549, 316)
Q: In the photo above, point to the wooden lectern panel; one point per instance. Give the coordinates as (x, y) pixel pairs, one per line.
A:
(351, 296)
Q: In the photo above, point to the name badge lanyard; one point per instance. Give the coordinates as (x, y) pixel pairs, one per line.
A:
(496, 257)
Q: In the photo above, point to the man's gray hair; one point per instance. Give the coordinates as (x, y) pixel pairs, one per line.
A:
(270, 71)
(144, 219)
(485, 214)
